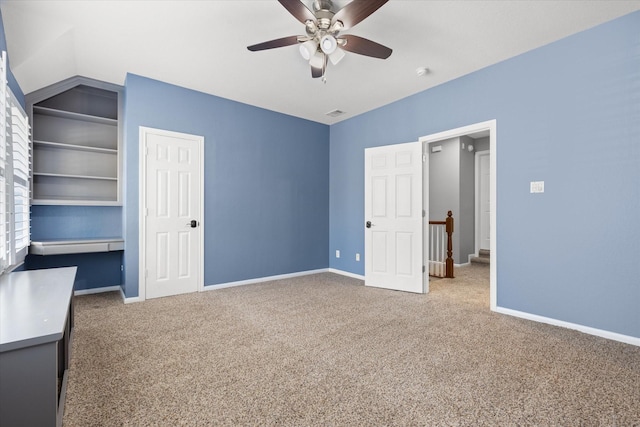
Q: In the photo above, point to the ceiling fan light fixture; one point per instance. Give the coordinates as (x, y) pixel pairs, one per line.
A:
(336, 27)
(337, 56)
(311, 27)
(323, 41)
(308, 49)
(328, 44)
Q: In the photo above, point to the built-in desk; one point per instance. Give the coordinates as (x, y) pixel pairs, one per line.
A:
(76, 246)
(36, 328)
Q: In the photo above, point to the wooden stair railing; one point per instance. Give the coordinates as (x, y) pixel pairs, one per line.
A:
(448, 262)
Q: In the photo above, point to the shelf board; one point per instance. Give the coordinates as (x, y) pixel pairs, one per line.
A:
(73, 116)
(76, 147)
(61, 175)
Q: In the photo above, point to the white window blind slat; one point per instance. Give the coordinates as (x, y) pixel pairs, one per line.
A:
(20, 139)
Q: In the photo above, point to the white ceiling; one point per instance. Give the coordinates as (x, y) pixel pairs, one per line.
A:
(202, 45)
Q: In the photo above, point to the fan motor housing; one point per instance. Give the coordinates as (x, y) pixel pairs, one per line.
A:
(319, 5)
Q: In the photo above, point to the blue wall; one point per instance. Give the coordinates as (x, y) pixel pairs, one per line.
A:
(266, 182)
(74, 222)
(95, 270)
(567, 113)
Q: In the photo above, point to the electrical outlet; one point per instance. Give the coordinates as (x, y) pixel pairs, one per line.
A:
(357, 257)
(536, 187)
(337, 254)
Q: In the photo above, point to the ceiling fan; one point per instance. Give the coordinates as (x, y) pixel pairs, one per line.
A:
(323, 41)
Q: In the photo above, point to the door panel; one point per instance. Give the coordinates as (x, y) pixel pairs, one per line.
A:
(393, 205)
(404, 254)
(173, 199)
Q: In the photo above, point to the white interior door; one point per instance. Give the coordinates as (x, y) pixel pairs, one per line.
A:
(484, 199)
(173, 211)
(393, 217)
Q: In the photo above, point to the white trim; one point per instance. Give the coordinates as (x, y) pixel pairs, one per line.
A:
(627, 339)
(426, 158)
(142, 221)
(142, 167)
(264, 279)
(346, 273)
(97, 290)
(489, 125)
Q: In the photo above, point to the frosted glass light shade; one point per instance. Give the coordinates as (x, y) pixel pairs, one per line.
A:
(308, 49)
(328, 44)
(337, 56)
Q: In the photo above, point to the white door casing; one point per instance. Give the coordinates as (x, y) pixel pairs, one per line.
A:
(483, 200)
(393, 217)
(171, 185)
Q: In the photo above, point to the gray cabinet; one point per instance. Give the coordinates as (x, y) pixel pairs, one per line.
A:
(36, 329)
(76, 143)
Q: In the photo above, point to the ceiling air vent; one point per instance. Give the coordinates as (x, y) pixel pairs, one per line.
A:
(335, 113)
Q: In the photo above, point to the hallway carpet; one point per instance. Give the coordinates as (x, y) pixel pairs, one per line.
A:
(325, 350)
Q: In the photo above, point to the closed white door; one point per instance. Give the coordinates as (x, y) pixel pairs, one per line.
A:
(173, 204)
(393, 217)
(484, 200)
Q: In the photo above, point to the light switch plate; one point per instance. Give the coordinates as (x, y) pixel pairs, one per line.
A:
(537, 187)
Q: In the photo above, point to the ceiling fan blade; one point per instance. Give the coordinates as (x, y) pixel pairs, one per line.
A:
(284, 41)
(318, 64)
(356, 12)
(316, 72)
(298, 10)
(365, 47)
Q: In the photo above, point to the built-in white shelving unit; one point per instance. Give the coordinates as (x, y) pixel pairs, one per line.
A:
(76, 143)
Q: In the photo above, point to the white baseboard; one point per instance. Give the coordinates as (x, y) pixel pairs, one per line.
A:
(346, 273)
(586, 329)
(264, 279)
(96, 290)
(130, 299)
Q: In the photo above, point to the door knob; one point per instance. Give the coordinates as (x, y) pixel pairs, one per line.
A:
(194, 223)
(368, 224)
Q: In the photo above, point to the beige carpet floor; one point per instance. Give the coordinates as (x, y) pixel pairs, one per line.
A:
(325, 350)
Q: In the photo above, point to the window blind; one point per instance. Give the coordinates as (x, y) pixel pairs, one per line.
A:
(15, 176)
(4, 215)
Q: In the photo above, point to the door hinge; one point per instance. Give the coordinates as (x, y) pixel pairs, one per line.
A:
(423, 269)
(424, 213)
(424, 157)
(146, 273)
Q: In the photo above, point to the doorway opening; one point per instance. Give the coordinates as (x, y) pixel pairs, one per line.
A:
(459, 191)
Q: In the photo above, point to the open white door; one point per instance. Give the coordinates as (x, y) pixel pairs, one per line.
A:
(393, 217)
(171, 246)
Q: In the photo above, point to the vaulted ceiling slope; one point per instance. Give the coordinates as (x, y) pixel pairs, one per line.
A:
(201, 45)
